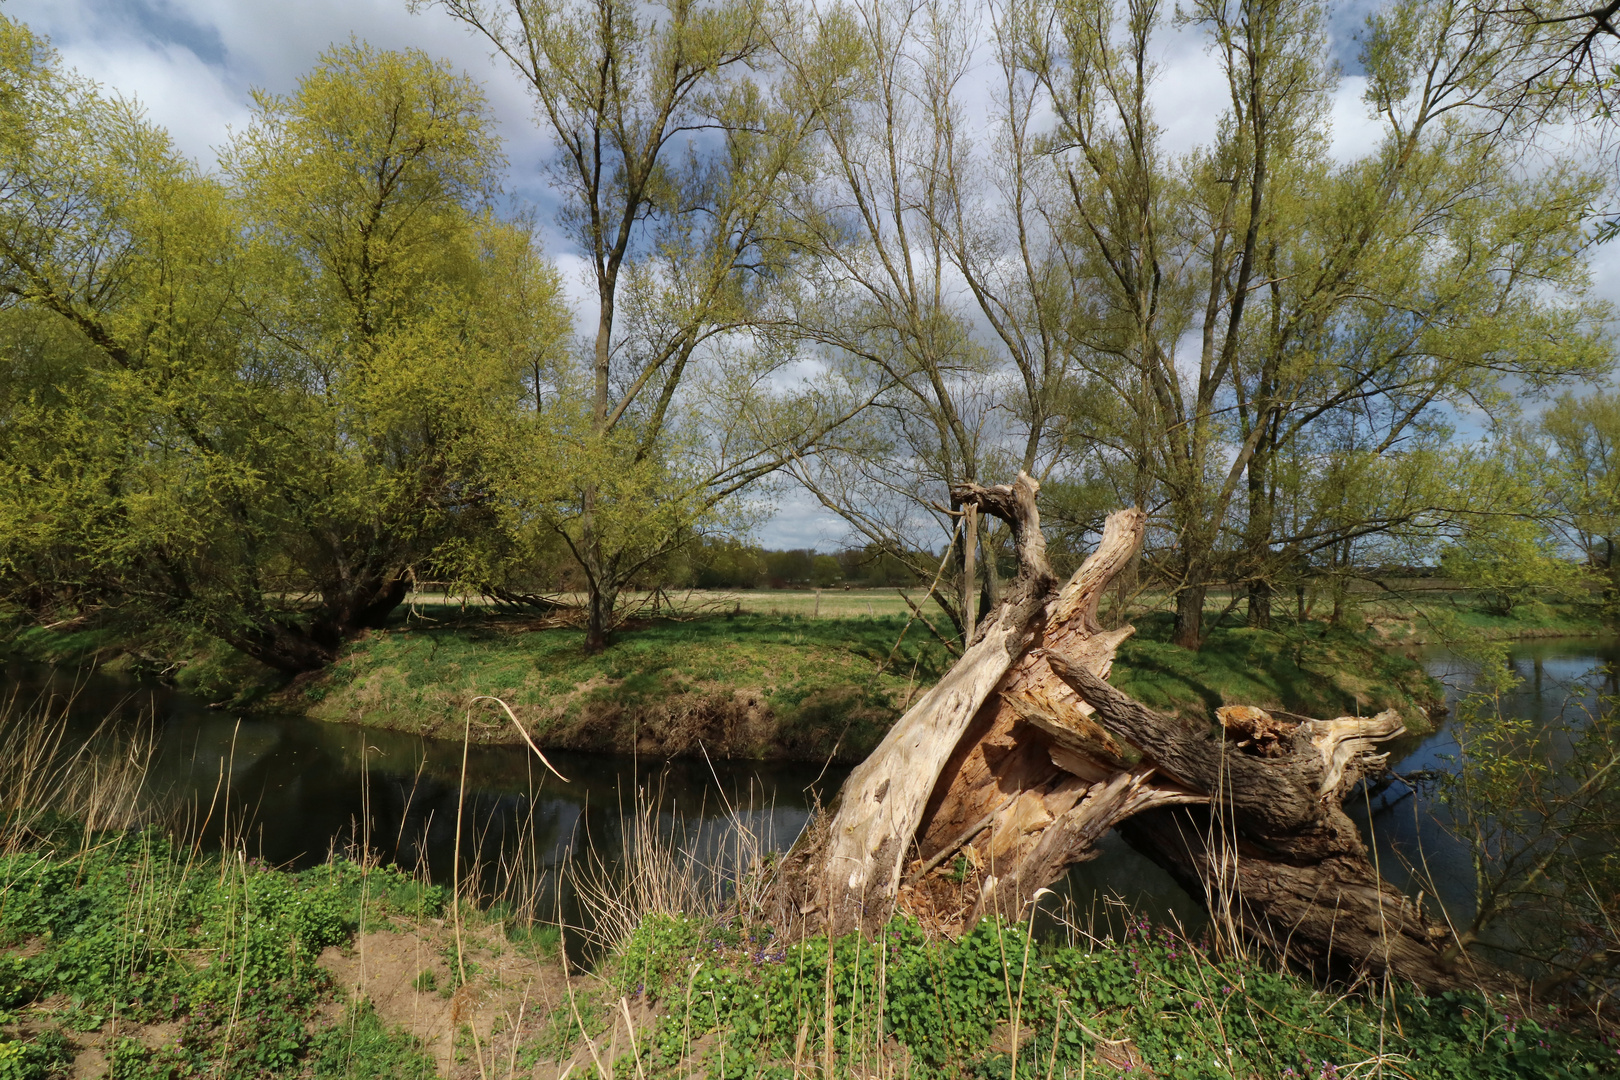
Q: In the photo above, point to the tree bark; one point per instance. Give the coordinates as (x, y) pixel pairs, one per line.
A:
(599, 604)
(1011, 768)
(1188, 631)
(280, 645)
(1260, 604)
(970, 577)
(359, 600)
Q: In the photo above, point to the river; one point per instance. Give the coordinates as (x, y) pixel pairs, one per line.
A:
(1407, 828)
(296, 790)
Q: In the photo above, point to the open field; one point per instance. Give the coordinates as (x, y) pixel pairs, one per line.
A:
(836, 603)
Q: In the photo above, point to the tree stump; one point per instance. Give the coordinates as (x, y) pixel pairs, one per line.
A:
(1022, 756)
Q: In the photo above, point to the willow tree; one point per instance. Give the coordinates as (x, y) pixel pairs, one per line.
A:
(117, 273)
(932, 278)
(1428, 277)
(250, 405)
(1023, 756)
(672, 148)
(1257, 290)
(1580, 478)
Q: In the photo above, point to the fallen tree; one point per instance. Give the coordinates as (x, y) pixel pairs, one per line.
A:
(1012, 767)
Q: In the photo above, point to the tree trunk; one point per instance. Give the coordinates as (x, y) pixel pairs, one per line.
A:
(362, 601)
(1189, 627)
(598, 617)
(970, 577)
(1022, 757)
(1260, 604)
(1258, 528)
(280, 646)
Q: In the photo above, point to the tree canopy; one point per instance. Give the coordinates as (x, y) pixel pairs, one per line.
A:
(873, 249)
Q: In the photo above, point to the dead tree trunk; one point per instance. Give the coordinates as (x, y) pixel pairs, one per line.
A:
(1011, 768)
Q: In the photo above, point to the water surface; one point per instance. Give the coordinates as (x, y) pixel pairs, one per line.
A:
(1407, 825)
(297, 790)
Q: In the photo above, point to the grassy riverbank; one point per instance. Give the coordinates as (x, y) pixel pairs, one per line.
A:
(740, 685)
(781, 675)
(127, 956)
(793, 687)
(1446, 615)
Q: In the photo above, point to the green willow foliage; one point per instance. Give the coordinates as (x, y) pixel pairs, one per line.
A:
(251, 403)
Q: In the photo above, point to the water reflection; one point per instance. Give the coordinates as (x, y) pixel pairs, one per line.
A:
(297, 790)
(1558, 677)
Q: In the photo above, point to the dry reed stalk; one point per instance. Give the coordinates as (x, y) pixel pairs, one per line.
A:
(100, 782)
(660, 868)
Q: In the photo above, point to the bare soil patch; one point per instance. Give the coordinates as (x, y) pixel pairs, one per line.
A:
(513, 1011)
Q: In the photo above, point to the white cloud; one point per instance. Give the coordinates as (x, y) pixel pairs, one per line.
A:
(192, 100)
(801, 521)
(1355, 131)
(193, 63)
(1189, 91)
(579, 286)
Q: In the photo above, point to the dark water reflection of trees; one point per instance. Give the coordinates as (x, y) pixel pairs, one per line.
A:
(1561, 682)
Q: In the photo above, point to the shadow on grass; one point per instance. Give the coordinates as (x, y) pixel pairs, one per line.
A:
(1309, 669)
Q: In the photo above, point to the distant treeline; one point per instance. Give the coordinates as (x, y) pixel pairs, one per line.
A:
(731, 564)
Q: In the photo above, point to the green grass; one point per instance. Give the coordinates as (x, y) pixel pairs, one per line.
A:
(747, 685)
(732, 1002)
(196, 968)
(213, 962)
(833, 603)
(179, 966)
(789, 686)
(1313, 670)
(1438, 617)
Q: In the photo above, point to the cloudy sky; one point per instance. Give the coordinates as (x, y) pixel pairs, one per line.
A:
(193, 64)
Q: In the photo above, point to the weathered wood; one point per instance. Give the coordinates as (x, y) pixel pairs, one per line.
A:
(1312, 897)
(852, 882)
(1023, 756)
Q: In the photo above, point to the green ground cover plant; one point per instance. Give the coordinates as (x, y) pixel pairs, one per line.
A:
(997, 1004)
(119, 935)
(115, 935)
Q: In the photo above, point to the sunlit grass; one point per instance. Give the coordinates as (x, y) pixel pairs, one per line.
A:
(831, 603)
(840, 680)
(1311, 670)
